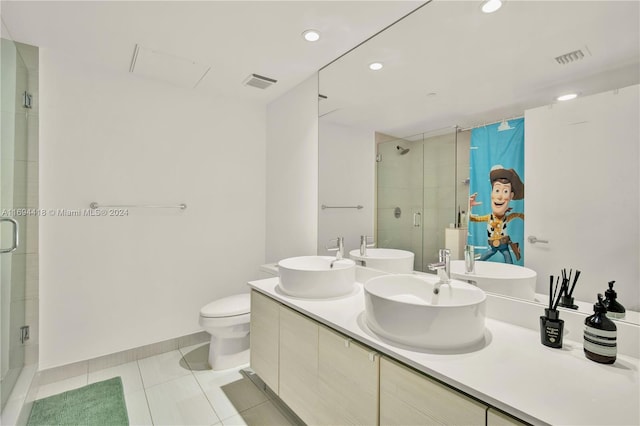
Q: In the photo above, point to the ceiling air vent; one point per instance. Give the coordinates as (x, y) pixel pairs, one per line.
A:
(567, 58)
(259, 81)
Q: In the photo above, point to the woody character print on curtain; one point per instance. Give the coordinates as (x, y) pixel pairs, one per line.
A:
(496, 188)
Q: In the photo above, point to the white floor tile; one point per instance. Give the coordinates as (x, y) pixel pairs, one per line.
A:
(263, 414)
(129, 372)
(162, 368)
(61, 386)
(197, 356)
(230, 392)
(137, 408)
(180, 402)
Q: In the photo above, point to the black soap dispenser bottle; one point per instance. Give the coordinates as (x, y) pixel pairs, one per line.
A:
(614, 309)
(600, 334)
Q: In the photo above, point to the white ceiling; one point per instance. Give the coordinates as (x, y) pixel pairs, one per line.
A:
(234, 38)
(482, 68)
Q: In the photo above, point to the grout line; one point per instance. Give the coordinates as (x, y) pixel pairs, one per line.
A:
(144, 389)
(206, 397)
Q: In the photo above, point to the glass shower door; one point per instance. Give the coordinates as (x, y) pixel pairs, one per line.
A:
(399, 213)
(13, 180)
(417, 193)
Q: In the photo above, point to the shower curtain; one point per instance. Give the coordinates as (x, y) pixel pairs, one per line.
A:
(496, 192)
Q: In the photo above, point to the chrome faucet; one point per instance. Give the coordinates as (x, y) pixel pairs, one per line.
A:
(339, 249)
(469, 259)
(443, 266)
(364, 246)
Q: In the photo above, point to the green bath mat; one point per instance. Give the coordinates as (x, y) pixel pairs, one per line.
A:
(98, 404)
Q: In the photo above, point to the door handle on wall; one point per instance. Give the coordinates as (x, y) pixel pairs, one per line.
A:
(15, 234)
(417, 219)
(533, 239)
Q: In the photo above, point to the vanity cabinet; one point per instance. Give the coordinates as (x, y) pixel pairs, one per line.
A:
(327, 378)
(411, 398)
(348, 374)
(264, 334)
(299, 364)
(498, 418)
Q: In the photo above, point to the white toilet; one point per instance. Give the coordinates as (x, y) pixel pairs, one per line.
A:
(227, 320)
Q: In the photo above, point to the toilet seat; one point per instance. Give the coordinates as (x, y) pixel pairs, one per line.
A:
(231, 306)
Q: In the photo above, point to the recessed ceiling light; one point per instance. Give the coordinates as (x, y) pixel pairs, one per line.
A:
(567, 97)
(491, 6)
(375, 66)
(311, 35)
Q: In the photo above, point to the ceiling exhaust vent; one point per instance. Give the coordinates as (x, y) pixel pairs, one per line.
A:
(259, 81)
(574, 56)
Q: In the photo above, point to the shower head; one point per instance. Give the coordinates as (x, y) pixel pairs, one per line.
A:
(402, 150)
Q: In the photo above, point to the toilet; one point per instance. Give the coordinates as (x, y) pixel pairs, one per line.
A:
(227, 320)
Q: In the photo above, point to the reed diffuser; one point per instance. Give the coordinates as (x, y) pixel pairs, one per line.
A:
(551, 326)
(566, 294)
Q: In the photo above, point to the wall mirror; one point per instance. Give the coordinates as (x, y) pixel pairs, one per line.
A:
(446, 68)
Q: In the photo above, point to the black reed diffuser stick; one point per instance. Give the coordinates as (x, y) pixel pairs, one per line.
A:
(556, 296)
(575, 281)
(565, 298)
(551, 326)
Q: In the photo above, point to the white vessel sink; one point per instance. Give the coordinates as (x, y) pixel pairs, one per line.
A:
(385, 259)
(500, 278)
(312, 277)
(404, 309)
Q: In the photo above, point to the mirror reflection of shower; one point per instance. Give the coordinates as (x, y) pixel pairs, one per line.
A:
(426, 184)
(402, 150)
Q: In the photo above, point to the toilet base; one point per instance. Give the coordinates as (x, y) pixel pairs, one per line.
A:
(227, 353)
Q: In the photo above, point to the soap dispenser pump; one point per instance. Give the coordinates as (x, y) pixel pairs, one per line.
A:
(614, 309)
(600, 334)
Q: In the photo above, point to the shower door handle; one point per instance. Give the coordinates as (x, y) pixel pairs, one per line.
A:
(417, 219)
(15, 234)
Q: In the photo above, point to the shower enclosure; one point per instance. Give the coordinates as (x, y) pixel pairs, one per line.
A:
(18, 218)
(420, 189)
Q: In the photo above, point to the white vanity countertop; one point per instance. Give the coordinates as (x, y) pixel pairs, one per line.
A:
(513, 371)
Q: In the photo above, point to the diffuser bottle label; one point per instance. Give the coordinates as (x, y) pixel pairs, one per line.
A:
(553, 333)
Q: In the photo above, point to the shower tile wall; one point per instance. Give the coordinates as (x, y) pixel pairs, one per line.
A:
(462, 154)
(424, 181)
(31, 296)
(439, 192)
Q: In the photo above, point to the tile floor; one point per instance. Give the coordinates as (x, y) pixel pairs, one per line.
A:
(178, 388)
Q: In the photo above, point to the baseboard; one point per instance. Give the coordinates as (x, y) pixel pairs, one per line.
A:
(62, 372)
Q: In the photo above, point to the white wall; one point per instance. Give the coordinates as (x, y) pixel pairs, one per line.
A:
(113, 283)
(583, 186)
(347, 178)
(292, 173)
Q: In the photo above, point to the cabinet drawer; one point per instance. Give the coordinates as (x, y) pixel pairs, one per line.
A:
(299, 364)
(348, 381)
(411, 398)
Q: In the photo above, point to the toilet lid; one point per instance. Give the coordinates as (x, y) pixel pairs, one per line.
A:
(238, 304)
